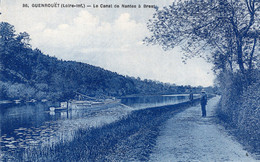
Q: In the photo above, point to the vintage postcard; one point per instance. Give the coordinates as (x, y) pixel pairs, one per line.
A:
(129, 80)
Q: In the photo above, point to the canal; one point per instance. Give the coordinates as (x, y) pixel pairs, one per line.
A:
(25, 126)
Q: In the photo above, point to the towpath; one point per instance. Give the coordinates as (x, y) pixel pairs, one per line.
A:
(189, 137)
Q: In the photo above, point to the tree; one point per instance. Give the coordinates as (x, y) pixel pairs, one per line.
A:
(12, 47)
(7, 39)
(7, 33)
(225, 32)
(23, 40)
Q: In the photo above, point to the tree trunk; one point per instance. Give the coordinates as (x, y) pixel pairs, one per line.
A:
(240, 55)
(251, 55)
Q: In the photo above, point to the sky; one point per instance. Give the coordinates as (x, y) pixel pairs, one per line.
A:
(110, 38)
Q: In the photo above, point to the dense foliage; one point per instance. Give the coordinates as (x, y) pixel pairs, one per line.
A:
(27, 73)
(225, 33)
(239, 107)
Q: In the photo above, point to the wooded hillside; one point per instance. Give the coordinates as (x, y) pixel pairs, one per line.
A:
(28, 73)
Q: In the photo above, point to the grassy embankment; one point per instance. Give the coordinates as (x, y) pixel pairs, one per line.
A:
(131, 138)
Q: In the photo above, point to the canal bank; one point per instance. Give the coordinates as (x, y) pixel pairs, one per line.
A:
(130, 138)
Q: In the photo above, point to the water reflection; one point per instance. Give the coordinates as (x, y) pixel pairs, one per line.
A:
(153, 101)
(26, 126)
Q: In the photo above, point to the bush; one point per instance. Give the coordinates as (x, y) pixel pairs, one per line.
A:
(239, 106)
(249, 116)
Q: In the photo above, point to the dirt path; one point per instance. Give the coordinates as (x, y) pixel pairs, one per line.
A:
(189, 137)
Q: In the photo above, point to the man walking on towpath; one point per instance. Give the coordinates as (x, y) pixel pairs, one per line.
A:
(203, 102)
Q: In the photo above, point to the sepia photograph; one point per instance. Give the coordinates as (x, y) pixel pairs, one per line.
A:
(129, 80)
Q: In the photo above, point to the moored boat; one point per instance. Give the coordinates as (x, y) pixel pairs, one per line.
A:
(74, 104)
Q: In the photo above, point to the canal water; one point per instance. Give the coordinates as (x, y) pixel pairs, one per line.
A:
(24, 126)
(141, 102)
